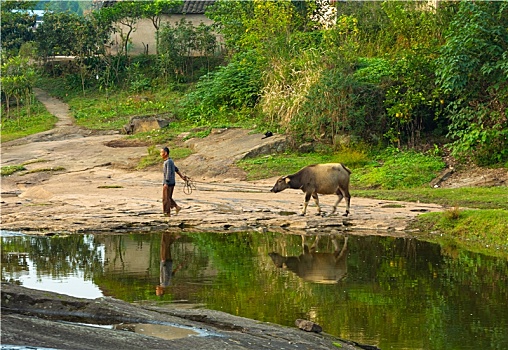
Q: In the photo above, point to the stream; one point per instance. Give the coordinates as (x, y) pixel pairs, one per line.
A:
(395, 293)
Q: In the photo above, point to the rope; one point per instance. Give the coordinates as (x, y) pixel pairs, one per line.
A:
(188, 186)
(233, 187)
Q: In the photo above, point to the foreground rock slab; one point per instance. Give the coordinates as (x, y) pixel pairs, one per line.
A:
(44, 319)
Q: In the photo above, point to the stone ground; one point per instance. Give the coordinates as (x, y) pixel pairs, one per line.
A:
(82, 181)
(33, 319)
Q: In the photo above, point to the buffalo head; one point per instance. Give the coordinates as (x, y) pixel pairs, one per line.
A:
(281, 184)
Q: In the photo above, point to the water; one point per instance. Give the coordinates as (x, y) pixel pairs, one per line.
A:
(391, 292)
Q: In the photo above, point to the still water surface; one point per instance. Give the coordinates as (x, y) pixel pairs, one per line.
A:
(391, 292)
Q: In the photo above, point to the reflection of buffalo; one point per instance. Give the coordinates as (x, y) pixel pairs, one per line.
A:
(316, 267)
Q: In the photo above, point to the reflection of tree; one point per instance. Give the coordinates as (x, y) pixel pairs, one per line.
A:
(57, 256)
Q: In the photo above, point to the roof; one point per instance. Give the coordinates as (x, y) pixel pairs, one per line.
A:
(194, 7)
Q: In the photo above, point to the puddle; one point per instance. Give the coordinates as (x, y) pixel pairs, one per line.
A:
(162, 330)
(287, 213)
(158, 330)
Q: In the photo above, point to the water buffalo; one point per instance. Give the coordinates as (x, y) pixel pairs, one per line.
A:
(316, 267)
(330, 178)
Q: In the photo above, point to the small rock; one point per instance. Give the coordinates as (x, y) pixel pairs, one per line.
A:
(308, 326)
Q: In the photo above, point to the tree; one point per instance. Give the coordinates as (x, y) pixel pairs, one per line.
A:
(18, 79)
(121, 14)
(472, 73)
(17, 24)
(153, 11)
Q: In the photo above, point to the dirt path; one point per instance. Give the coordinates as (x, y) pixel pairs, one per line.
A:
(76, 181)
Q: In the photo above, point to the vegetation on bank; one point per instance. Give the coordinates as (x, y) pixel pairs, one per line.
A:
(29, 120)
(484, 231)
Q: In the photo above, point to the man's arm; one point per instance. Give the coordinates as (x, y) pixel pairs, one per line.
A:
(184, 177)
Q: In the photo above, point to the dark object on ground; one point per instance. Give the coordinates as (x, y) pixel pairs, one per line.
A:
(267, 134)
(308, 326)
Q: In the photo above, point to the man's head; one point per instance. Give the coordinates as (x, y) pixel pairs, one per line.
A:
(164, 153)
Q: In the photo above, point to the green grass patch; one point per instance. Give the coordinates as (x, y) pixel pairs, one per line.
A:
(479, 230)
(11, 169)
(110, 186)
(95, 111)
(22, 124)
(99, 110)
(467, 197)
(396, 169)
(154, 157)
(164, 135)
(289, 163)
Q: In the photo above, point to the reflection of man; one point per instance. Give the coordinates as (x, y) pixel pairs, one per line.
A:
(166, 264)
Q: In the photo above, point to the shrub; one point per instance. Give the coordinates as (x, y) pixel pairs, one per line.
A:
(230, 87)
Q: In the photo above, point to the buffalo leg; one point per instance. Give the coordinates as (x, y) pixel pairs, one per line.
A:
(342, 193)
(306, 203)
(316, 200)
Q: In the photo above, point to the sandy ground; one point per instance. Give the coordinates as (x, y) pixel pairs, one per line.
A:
(78, 181)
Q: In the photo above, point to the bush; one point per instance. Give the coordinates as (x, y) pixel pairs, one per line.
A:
(232, 87)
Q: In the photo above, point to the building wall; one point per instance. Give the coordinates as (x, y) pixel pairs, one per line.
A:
(143, 38)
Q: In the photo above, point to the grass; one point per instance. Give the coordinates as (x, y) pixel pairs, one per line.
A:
(11, 169)
(468, 197)
(484, 230)
(42, 170)
(21, 124)
(395, 169)
(288, 163)
(99, 111)
(154, 158)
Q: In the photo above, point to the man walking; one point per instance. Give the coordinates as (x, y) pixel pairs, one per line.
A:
(169, 170)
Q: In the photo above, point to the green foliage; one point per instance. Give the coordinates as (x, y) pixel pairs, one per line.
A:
(229, 18)
(39, 120)
(338, 106)
(77, 7)
(414, 25)
(473, 71)
(112, 112)
(468, 197)
(178, 45)
(487, 228)
(11, 169)
(232, 87)
(411, 100)
(68, 34)
(397, 169)
(17, 25)
(260, 25)
(18, 78)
